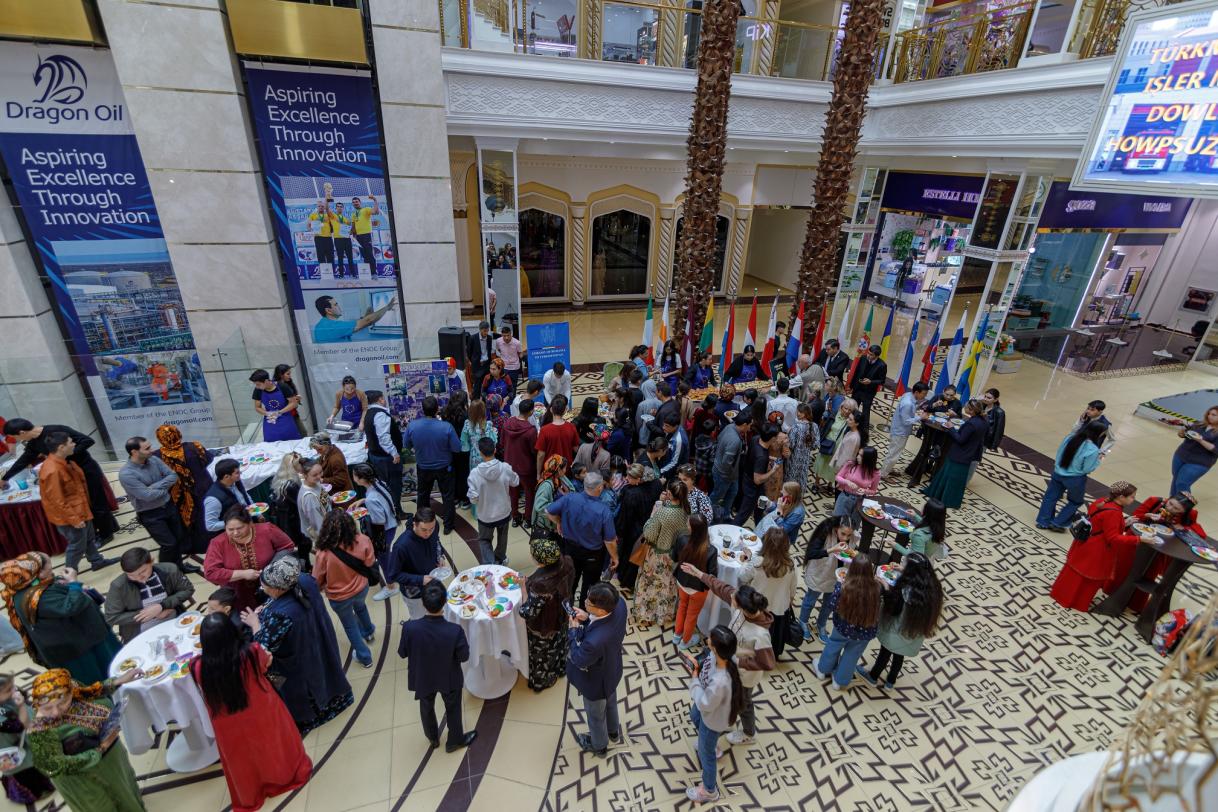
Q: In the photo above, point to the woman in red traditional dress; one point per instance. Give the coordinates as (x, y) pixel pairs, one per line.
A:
(260, 748)
(1178, 512)
(1090, 564)
(235, 558)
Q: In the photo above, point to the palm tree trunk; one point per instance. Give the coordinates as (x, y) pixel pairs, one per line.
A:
(818, 266)
(707, 148)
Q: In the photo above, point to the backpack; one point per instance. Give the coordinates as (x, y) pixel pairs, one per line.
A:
(1081, 528)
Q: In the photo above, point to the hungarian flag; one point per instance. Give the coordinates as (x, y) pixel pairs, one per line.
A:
(861, 347)
(708, 328)
(771, 336)
(797, 333)
(887, 334)
(648, 329)
(907, 361)
(928, 357)
(729, 340)
(750, 334)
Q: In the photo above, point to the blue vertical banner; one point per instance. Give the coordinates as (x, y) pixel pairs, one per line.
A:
(548, 343)
(319, 139)
(68, 145)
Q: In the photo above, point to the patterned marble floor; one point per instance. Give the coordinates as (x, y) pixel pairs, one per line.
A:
(1011, 683)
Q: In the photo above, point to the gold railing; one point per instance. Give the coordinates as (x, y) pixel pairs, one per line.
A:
(1100, 25)
(972, 44)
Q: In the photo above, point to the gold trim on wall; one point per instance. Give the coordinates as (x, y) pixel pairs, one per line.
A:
(56, 20)
(278, 28)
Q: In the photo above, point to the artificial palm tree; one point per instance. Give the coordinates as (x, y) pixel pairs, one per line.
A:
(839, 143)
(707, 146)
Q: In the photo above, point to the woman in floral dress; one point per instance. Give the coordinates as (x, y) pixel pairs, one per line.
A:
(544, 618)
(655, 593)
(804, 438)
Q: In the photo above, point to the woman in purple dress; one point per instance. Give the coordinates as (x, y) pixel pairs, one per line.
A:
(277, 423)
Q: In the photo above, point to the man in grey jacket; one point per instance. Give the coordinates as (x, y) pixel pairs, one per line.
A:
(726, 471)
(145, 594)
(489, 492)
(146, 481)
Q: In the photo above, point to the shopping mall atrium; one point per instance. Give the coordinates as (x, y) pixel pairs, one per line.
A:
(350, 189)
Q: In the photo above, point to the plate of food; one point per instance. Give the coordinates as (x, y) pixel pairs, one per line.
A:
(730, 414)
(129, 664)
(441, 573)
(727, 555)
(468, 610)
(257, 509)
(887, 573)
(509, 580)
(840, 572)
(357, 512)
(189, 619)
(256, 459)
(873, 513)
(903, 525)
(155, 673)
(499, 606)
(847, 554)
(194, 631)
(749, 537)
(1207, 553)
(1142, 529)
(342, 497)
(1192, 435)
(742, 556)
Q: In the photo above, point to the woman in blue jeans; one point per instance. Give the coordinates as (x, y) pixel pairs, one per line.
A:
(718, 698)
(1077, 456)
(1197, 454)
(856, 616)
(345, 560)
(831, 536)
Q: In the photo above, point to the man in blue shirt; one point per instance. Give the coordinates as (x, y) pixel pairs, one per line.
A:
(434, 443)
(586, 526)
(334, 328)
(904, 421)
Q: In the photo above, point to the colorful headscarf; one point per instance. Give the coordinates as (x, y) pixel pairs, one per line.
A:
(173, 454)
(55, 683)
(544, 550)
(282, 573)
(552, 470)
(496, 414)
(15, 575)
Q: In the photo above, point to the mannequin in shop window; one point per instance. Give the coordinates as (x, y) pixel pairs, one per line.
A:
(905, 271)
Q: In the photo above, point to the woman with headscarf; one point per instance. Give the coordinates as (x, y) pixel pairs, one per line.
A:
(62, 626)
(544, 618)
(236, 557)
(496, 415)
(295, 629)
(189, 461)
(73, 745)
(553, 484)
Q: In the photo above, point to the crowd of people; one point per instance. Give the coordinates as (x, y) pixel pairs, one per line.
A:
(620, 500)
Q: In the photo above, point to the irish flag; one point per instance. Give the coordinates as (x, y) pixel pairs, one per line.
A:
(708, 328)
(648, 328)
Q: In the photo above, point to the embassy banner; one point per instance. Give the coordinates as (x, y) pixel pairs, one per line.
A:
(321, 157)
(69, 148)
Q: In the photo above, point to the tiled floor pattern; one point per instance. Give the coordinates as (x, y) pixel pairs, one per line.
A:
(1010, 684)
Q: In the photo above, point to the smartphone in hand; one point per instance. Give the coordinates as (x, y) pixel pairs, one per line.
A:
(688, 662)
(568, 608)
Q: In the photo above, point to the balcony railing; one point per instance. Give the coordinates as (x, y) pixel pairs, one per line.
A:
(973, 44)
(1101, 23)
(638, 32)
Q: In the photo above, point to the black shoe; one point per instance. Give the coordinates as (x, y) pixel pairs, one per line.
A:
(434, 743)
(1055, 529)
(515, 522)
(448, 531)
(101, 565)
(466, 741)
(190, 569)
(585, 743)
(616, 738)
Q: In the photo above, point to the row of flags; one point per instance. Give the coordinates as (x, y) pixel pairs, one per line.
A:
(952, 351)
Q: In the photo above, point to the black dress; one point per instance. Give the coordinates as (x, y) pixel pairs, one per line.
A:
(634, 507)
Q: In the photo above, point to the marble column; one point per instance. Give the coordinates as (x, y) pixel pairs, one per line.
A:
(579, 254)
(187, 106)
(668, 250)
(406, 45)
(740, 244)
(37, 378)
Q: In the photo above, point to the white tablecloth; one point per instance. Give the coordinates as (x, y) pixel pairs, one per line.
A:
(255, 473)
(715, 611)
(152, 705)
(498, 647)
(23, 487)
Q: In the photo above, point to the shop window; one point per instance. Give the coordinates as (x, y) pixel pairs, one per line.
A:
(621, 249)
(722, 225)
(630, 34)
(551, 28)
(543, 251)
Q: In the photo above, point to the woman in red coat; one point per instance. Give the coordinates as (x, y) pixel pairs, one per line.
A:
(260, 748)
(1090, 563)
(235, 558)
(1177, 512)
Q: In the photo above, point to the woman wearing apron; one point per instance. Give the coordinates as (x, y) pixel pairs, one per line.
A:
(349, 403)
(276, 423)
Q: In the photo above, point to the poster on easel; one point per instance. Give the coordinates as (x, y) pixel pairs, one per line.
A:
(408, 384)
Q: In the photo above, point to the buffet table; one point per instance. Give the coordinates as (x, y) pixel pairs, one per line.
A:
(260, 461)
(24, 526)
(499, 645)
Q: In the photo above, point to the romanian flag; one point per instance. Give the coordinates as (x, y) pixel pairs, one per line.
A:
(648, 328)
(887, 334)
(729, 339)
(708, 328)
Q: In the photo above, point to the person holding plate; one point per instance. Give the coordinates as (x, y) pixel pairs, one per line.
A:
(928, 534)
(76, 745)
(145, 594)
(1175, 513)
(344, 569)
(1092, 563)
(909, 613)
(333, 464)
(236, 556)
(1197, 454)
(832, 536)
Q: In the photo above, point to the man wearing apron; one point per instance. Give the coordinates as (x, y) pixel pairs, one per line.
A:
(145, 595)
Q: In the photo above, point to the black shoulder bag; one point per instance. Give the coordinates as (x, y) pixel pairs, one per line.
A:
(374, 577)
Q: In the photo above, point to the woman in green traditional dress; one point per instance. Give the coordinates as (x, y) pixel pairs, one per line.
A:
(74, 747)
(62, 626)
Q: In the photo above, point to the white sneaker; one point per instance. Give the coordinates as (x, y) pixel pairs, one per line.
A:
(384, 594)
(837, 687)
(739, 737)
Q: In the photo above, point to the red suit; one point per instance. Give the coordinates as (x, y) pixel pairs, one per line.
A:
(1091, 564)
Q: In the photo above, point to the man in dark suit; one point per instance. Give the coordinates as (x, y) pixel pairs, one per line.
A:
(436, 648)
(868, 377)
(594, 664)
(480, 349)
(833, 360)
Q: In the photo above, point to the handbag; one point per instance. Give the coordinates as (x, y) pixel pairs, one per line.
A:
(793, 635)
(1081, 528)
(353, 563)
(827, 443)
(639, 554)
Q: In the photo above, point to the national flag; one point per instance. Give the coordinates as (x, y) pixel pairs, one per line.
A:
(708, 328)
(861, 347)
(750, 333)
(648, 329)
(843, 330)
(907, 361)
(928, 357)
(771, 336)
(659, 346)
(687, 341)
(949, 357)
(818, 340)
(797, 333)
(887, 335)
(729, 340)
(968, 375)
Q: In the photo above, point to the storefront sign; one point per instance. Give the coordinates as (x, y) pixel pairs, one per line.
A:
(1067, 208)
(1157, 126)
(548, 343)
(321, 156)
(954, 196)
(67, 142)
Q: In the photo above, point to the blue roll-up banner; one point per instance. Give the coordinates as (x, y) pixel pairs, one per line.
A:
(548, 343)
(325, 176)
(68, 145)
